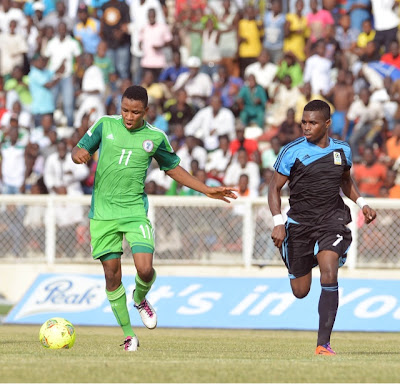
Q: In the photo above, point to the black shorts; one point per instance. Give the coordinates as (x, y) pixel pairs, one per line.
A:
(302, 244)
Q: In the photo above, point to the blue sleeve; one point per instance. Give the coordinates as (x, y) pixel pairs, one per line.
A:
(347, 152)
(285, 160)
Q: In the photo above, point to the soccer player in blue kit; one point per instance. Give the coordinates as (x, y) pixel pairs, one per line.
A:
(317, 167)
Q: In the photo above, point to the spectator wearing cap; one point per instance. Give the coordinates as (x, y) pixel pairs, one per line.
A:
(44, 6)
(197, 85)
(63, 48)
(87, 30)
(38, 9)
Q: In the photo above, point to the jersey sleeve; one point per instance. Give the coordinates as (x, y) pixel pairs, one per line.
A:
(166, 157)
(347, 153)
(285, 161)
(92, 138)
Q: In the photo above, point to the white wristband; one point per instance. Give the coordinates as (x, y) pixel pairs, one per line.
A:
(278, 220)
(361, 202)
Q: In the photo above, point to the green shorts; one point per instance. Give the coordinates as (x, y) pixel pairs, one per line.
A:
(107, 236)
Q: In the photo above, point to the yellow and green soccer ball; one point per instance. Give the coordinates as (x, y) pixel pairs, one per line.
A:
(57, 333)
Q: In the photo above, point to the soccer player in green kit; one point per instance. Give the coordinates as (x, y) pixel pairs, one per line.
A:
(127, 144)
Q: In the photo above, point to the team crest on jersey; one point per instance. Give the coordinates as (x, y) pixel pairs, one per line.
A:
(148, 145)
(337, 159)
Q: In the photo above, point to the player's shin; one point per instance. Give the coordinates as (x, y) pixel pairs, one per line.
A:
(142, 287)
(117, 301)
(327, 309)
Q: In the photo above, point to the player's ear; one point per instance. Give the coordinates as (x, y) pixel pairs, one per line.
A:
(328, 122)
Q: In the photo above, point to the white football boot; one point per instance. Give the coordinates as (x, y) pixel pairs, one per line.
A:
(131, 344)
(146, 312)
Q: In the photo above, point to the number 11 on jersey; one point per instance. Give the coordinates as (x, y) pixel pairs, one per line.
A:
(122, 156)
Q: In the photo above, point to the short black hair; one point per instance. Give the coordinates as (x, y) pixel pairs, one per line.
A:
(136, 92)
(319, 105)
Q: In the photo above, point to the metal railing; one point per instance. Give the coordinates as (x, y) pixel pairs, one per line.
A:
(189, 230)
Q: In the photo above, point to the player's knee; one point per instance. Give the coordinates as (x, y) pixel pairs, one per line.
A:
(113, 279)
(300, 293)
(329, 277)
(145, 272)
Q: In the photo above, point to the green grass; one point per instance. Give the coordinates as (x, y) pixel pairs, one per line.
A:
(198, 355)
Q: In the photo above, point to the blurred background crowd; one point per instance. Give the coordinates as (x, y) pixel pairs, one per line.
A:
(227, 82)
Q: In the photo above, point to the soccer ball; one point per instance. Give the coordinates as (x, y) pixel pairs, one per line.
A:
(57, 333)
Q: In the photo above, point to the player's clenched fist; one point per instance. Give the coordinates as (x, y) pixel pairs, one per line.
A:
(80, 155)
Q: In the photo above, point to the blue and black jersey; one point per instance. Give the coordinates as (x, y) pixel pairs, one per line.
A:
(315, 175)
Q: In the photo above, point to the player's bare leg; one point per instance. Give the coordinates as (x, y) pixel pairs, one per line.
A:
(301, 285)
(117, 297)
(145, 277)
(328, 262)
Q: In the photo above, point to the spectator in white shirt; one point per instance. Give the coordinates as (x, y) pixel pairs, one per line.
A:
(240, 165)
(93, 92)
(197, 85)
(263, 70)
(12, 164)
(317, 70)
(192, 151)
(63, 177)
(13, 46)
(386, 22)
(211, 122)
(367, 118)
(64, 48)
(218, 160)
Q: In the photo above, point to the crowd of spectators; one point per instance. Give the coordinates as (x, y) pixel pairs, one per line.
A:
(227, 82)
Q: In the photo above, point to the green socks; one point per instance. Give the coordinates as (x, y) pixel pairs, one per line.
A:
(117, 301)
(142, 288)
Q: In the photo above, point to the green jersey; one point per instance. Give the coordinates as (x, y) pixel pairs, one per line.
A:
(124, 157)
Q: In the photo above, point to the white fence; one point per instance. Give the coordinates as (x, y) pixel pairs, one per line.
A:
(189, 230)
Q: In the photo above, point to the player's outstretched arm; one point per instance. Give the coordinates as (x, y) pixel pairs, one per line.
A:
(274, 201)
(350, 189)
(185, 178)
(80, 155)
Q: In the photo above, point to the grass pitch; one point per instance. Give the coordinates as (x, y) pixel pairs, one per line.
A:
(198, 355)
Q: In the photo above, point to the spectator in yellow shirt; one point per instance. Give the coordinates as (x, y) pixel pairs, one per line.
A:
(367, 35)
(296, 32)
